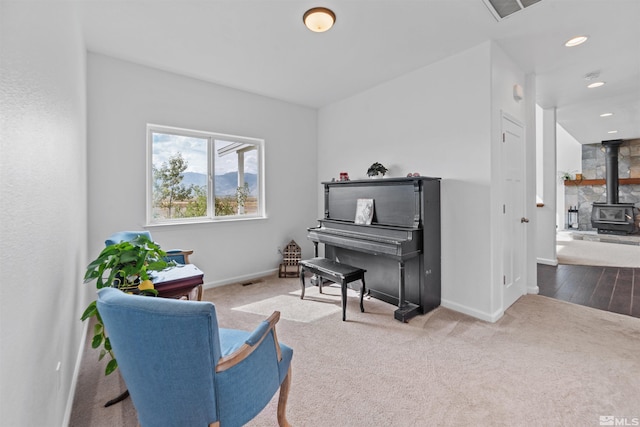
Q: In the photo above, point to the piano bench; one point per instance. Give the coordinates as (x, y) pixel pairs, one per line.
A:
(333, 272)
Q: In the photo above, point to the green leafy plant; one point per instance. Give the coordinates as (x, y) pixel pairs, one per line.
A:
(198, 205)
(126, 266)
(376, 168)
(568, 175)
(224, 206)
(168, 188)
(242, 193)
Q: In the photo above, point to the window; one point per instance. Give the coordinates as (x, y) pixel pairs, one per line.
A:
(199, 176)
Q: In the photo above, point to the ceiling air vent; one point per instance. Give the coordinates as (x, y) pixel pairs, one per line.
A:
(503, 8)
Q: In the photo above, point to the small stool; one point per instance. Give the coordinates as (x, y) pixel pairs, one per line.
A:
(334, 272)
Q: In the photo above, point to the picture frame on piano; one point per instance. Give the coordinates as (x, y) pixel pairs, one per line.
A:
(364, 211)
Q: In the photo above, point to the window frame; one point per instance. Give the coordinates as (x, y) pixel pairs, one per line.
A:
(211, 138)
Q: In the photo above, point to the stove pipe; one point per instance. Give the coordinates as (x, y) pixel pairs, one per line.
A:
(611, 155)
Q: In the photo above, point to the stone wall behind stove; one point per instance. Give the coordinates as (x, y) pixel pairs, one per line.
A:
(594, 167)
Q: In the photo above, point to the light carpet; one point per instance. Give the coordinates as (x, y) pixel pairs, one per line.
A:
(544, 363)
(315, 306)
(583, 252)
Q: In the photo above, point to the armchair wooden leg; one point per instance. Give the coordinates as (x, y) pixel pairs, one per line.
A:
(282, 400)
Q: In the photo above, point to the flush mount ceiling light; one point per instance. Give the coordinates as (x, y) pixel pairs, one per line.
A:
(595, 84)
(576, 41)
(606, 114)
(319, 19)
(613, 131)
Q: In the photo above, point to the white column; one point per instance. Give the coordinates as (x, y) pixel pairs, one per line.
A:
(547, 214)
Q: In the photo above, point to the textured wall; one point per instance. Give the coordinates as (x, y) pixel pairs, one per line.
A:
(44, 209)
(124, 97)
(414, 124)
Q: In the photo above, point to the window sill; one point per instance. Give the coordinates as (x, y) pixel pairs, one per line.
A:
(204, 221)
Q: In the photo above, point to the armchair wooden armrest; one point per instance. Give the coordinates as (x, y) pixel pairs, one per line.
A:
(246, 349)
(251, 344)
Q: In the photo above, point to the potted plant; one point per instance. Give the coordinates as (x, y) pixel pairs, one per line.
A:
(565, 176)
(126, 266)
(376, 170)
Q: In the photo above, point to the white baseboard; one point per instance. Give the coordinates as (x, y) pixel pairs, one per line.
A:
(553, 262)
(239, 279)
(74, 378)
(488, 317)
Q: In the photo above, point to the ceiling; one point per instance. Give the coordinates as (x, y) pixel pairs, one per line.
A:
(262, 46)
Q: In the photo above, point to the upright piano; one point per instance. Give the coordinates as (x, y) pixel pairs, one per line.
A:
(400, 249)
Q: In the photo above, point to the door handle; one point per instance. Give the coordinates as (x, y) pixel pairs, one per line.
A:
(523, 219)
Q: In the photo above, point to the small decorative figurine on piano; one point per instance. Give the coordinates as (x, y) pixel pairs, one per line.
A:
(344, 176)
(415, 174)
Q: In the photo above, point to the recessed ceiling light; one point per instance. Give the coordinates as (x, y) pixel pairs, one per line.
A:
(576, 41)
(606, 114)
(613, 131)
(595, 84)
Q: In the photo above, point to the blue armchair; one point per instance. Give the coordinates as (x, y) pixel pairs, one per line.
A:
(178, 255)
(181, 369)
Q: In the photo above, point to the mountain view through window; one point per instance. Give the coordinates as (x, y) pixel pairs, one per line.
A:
(195, 175)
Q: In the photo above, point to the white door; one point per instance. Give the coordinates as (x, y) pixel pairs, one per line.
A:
(514, 220)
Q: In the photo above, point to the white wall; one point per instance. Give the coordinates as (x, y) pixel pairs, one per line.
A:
(124, 97)
(540, 152)
(531, 157)
(569, 159)
(438, 121)
(505, 74)
(546, 215)
(435, 121)
(43, 215)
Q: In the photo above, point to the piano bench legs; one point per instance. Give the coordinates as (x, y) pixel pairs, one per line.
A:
(334, 272)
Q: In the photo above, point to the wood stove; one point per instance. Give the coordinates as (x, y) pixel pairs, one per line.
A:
(613, 217)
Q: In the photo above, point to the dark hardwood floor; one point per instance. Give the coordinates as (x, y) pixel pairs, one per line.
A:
(606, 288)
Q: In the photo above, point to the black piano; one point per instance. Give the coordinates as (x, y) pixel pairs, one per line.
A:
(400, 249)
